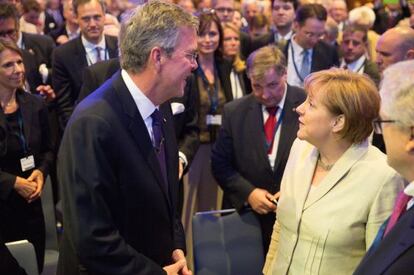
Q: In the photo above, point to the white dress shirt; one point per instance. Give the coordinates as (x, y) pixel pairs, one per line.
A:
(357, 66)
(91, 54)
(293, 77)
(409, 190)
(272, 155)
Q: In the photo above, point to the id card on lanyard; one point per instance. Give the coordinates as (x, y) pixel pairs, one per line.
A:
(212, 117)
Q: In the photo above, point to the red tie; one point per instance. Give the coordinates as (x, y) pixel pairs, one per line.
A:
(269, 127)
(399, 208)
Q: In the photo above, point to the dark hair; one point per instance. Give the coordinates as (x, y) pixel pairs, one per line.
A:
(258, 21)
(356, 28)
(294, 3)
(9, 11)
(29, 5)
(77, 3)
(9, 45)
(307, 11)
(206, 19)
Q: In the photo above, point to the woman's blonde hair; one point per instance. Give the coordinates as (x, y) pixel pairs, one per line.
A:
(239, 64)
(350, 94)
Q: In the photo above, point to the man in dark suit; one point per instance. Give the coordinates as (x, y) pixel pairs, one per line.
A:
(305, 52)
(184, 110)
(118, 163)
(354, 52)
(70, 59)
(247, 162)
(70, 28)
(283, 15)
(392, 251)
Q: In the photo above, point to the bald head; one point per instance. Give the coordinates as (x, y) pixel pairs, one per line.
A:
(395, 45)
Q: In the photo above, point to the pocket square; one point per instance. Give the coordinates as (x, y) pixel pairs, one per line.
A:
(177, 108)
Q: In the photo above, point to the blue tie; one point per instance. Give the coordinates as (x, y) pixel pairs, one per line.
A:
(158, 144)
(305, 69)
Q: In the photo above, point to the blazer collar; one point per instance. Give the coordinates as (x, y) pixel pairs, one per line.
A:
(137, 127)
(26, 110)
(338, 171)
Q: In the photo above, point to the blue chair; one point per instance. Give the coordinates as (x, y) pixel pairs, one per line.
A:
(227, 244)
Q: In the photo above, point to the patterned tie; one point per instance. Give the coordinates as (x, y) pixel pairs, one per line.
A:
(269, 127)
(98, 54)
(399, 208)
(305, 69)
(158, 144)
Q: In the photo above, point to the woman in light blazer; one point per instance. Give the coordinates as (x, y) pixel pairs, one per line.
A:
(337, 189)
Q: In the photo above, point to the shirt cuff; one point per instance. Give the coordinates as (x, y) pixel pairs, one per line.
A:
(183, 158)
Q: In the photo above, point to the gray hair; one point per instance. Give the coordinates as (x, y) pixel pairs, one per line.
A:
(397, 93)
(362, 16)
(155, 24)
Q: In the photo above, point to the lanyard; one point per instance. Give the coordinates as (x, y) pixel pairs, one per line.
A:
(22, 139)
(212, 93)
(279, 121)
(294, 63)
(106, 57)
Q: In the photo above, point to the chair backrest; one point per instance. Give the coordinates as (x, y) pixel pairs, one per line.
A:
(227, 245)
(25, 255)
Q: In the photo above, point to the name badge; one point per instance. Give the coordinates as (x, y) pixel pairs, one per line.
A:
(27, 163)
(213, 120)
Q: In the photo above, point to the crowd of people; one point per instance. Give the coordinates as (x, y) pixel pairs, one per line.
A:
(144, 113)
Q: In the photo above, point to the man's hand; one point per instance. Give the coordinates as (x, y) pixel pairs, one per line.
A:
(46, 91)
(62, 39)
(24, 187)
(260, 202)
(37, 177)
(179, 261)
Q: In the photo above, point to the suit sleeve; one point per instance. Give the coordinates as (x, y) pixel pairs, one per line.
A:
(62, 86)
(89, 187)
(382, 206)
(223, 167)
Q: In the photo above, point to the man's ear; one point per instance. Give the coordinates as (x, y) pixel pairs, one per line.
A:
(338, 123)
(409, 147)
(410, 54)
(155, 57)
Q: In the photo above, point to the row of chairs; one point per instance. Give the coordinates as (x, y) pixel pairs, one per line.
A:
(225, 242)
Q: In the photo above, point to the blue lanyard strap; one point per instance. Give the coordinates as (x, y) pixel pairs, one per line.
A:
(212, 93)
(21, 137)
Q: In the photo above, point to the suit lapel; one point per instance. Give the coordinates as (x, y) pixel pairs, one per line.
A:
(80, 59)
(338, 171)
(111, 46)
(138, 130)
(255, 133)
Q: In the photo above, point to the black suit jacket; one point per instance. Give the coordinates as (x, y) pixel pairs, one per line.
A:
(371, 69)
(186, 123)
(118, 217)
(324, 56)
(395, 254)
(239, 156)
(68, 63)
(41, 45)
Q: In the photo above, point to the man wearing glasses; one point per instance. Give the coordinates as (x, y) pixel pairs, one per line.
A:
(393, 250)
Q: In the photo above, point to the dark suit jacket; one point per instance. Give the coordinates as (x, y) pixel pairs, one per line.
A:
(41, 45)
(69, 60)
(371, 69)
(186, 123)
(118, 217)
(239, 157)
(324, 56)
(395, 254)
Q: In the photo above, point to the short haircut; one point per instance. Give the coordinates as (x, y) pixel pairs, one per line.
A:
(307, 11)
(263, 59)
(9, 11)
(207, 18)
(350, 94)
(77, 3)
(31, 5)
(155, 24)
(294, 3)
(356, 28)
(258, 21)
(362, 16)
(397, 93)
(9, 45)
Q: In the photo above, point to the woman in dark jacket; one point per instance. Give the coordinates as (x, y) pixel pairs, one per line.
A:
(25, 154)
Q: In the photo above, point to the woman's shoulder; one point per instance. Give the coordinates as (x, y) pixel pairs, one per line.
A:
(28, 97)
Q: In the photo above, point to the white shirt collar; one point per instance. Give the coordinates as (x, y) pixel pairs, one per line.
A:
(90, 47)
(285, 37)
(409, 189)
(357, 66)
(144, 104)
(297, 48)
(20, 40)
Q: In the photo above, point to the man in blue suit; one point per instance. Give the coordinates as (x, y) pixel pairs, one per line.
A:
(393, 250)
(118, 161)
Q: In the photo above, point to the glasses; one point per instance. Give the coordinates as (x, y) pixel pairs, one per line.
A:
(224, 10)
(8, 33)
(377, 124)
(191, 56)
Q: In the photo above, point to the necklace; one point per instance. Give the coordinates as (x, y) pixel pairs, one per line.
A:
(323, 165)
